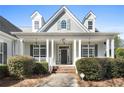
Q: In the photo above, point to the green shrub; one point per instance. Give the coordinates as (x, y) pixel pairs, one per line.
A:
(90, 67)
(3, 71)
(118, 68)
(20, 66)
(101, 68)
(40, 68)
(119, 52)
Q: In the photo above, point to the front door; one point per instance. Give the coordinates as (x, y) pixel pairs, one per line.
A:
(64, 56)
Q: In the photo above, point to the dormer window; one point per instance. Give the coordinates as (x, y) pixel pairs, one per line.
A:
(36, 24)
(63, 24)
(90, 25)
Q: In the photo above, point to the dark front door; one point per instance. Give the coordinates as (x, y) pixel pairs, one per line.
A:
(64, 56)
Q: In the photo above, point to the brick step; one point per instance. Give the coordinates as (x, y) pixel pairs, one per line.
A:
(64, 69)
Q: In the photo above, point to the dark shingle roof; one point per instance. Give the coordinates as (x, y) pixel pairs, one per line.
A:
(8, 27)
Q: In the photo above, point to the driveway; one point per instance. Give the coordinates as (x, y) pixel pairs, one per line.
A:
(60, 80)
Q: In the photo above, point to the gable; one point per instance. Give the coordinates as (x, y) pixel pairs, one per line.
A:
(56, 24)
(63, 14)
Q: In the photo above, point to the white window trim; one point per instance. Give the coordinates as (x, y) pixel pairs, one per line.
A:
(36, 26)
(64, 24)
(39, 48)
(88, 47)
(90, 25)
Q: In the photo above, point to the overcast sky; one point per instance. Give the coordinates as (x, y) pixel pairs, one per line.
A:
(108, 18)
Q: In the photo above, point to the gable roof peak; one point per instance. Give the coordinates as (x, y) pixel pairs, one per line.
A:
(57, 14)
(35, 14)
(90, 13)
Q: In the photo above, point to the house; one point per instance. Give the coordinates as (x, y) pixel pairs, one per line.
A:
(60, 41)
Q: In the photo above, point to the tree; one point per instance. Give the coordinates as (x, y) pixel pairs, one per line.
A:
(117, 42)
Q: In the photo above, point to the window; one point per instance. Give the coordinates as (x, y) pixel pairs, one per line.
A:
(36, 24)
(43, 50)
(39, 50)
(90, 25)
(84, 52)
(3, 53)
(63, 24)
(36, 50)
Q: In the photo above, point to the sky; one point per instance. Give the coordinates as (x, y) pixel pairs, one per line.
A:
(109, 18)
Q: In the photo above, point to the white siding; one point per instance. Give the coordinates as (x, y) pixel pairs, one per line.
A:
(90, 18)
(101, 49)
(73, 26)
(9, 44)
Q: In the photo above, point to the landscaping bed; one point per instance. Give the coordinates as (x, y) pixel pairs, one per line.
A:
(116, 82)
(27, 82)
(22, 71)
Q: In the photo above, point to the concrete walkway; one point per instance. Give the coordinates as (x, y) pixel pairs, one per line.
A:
(60, 80)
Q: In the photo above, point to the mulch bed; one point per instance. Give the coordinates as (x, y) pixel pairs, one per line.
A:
(116, 82)
(27, 82)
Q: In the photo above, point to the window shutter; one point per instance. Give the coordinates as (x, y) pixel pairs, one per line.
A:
(5, 52)
(59, 25)
(68, 24)
(96, 50)
(31, 50)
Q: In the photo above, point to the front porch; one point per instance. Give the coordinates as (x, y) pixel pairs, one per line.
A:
(58, 52)
(65, 48)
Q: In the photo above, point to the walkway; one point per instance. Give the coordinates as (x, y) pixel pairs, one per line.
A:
(60, 80)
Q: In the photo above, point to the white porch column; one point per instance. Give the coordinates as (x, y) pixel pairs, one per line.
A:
(47, 50)
(107, 48)
(52, 50)
(79, 42)
(21, 47)
(74, 52)
(112, 48)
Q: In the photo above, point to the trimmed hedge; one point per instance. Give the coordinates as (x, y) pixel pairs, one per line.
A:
(20, 66)
(3, 71)
(90, 67)
(40, 68)
(100, 68)
(117, 68)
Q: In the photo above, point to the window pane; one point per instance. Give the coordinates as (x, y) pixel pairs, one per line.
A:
(85, 52)
(90, 25)
(42, 46)
(36, 24)
(0, 58)
(43, 52)
(36, 52)
(0, 47)
(91, 52)
(63, 24)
